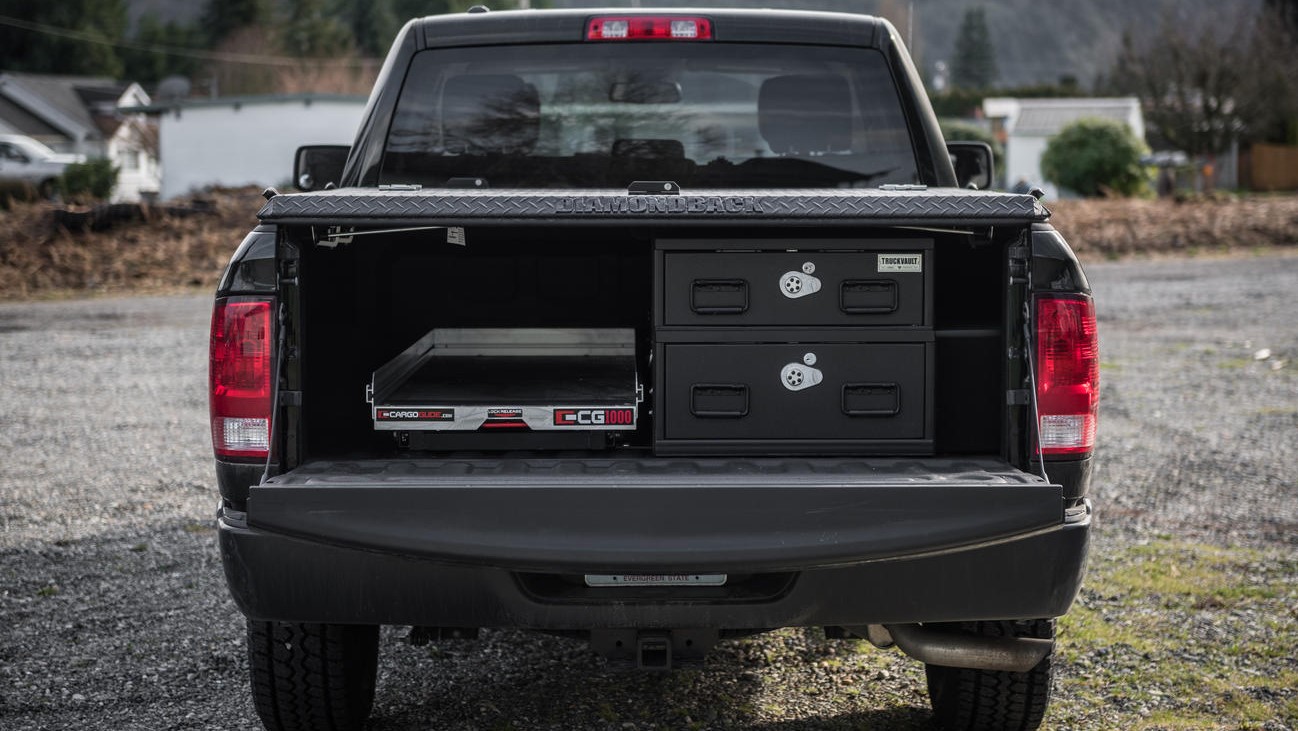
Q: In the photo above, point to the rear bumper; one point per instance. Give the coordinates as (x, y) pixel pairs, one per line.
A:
(842, 547)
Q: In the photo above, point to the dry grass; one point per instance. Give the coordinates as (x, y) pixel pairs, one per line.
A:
(40, 259)
(164, 252)
(1113, 228)
(356, 77)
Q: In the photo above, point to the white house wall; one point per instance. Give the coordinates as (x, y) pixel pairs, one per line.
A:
(138, 173)
(1023, 162)
(247, 144)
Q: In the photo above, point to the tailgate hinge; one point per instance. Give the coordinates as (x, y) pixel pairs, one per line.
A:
(1018, 264)
(288, 268)
(290, 398)
(1018, 397)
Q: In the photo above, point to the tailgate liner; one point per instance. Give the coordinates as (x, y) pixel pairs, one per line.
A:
(657, 515)
(471, 469)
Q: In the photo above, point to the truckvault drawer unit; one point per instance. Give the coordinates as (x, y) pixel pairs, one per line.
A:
(857, 289)
(770, 346)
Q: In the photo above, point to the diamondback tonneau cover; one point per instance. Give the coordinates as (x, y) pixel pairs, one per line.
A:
(380, 207)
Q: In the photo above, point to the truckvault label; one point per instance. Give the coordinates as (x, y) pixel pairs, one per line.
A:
(415, 414)
(901, 262)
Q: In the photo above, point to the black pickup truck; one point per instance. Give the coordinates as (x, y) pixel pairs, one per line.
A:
(655, 329)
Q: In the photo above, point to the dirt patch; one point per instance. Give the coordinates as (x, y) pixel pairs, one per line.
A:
(187, 244)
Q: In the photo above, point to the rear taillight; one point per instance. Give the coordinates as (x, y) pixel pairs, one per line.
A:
(1067, 373)
(649, 28)
(241, 365)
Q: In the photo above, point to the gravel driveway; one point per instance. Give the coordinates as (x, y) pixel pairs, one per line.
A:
(115, 613)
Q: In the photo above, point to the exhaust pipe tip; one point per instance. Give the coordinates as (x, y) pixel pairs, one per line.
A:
(954, 650)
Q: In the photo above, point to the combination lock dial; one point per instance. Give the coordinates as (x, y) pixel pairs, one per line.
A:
(801, 376)
(799, 284)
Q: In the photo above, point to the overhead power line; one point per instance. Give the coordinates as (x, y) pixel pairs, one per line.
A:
(256, 59)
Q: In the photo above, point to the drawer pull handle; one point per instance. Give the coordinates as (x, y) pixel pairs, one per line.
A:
(868, 296)
(871, 399)
(719, 400)
(719, 296)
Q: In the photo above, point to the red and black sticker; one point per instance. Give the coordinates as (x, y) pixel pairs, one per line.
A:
(502, 418)
(414, 415)
(594, 417)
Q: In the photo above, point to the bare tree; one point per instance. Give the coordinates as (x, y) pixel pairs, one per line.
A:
(1205, 84)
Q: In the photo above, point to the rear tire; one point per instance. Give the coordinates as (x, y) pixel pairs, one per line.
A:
(312, 677)
(992, 700)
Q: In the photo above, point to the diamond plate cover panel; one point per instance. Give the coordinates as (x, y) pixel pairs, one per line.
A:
(929, 206)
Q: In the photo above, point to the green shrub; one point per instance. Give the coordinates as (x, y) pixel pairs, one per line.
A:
(91, 179)
(1095, 157)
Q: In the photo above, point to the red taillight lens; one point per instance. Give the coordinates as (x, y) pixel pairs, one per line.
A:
(1068, 374)
(242, 359)
(649, 28)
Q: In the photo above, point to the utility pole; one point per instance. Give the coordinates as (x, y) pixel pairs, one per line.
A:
(910, 25)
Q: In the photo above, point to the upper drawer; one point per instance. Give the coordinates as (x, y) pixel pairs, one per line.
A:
(886, 288)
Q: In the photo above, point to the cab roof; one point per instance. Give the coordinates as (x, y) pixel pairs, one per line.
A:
(728, 26)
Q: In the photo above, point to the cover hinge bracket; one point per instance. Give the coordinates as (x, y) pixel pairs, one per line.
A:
(1017, 397)
(653, 187)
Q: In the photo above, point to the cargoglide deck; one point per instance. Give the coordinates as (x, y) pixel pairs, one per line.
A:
(509, 380)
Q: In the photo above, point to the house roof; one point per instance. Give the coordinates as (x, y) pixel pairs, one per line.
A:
(1046, 121)
(72, 106)
(1046, 117)
(16, 120)
(240, 101)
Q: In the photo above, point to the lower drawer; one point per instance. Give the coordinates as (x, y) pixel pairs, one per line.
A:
(800, 397)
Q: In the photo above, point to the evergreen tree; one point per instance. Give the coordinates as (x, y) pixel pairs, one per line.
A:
(90, 27)
(373, 23)
(151, 66)
(974, 66)
(223, 17)
(1286, 12)
(309, 30)
(407, 9)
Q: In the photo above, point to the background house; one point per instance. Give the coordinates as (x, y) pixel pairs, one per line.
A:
(237, 141)
(82, 115)
(1025, 126)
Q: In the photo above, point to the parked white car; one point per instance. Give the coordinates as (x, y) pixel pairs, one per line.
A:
(26, 163)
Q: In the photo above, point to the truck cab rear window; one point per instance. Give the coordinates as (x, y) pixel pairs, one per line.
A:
(706, 115)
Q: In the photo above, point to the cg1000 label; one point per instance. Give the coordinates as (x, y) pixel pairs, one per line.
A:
(415, 415)
(594, 417)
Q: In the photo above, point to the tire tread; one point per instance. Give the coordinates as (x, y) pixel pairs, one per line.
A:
(992, 700)
(312, 676)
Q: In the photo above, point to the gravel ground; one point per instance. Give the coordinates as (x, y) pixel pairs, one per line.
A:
(115, 613)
